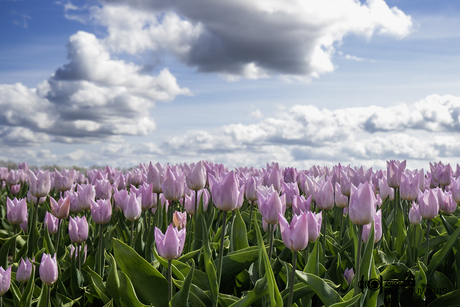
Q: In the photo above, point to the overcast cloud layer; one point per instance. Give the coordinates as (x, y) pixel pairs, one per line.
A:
(100, 100)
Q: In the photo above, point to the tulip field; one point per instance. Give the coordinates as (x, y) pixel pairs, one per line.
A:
(202, 234)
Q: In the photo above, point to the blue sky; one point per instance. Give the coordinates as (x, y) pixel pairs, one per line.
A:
(238, 82)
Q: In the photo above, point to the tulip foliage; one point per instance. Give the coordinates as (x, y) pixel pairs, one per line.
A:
(204, 235)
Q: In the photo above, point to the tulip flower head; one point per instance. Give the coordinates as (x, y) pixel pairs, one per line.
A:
(85, 252)
(314, 225)
(271, 205)
(300, 204)
(60, 208)
(428, 204)
(409, 186)
(101, 211)
(189, 204)
(394, 171)
(227, 195)
(196, 178)
(51, 223)
(15, 189)
(149, 199)
(291, 190)
(170, 244)
(48, 269)
(414, 214)
(132, 208)
(295, 234)
(24, 271)
(341, 200)
(63, 180)
(173, 185)
(86, 193)
(78, 229)
(103, 189)
(5, 280)
(362, 204)
(179, 219)
(16, 210)
(349, 274)
(325, 195)
(39, 185)
(377, 228)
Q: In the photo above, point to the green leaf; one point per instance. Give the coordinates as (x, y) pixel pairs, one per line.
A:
(312, 261)
(16, 292)
(142, 275)
(98, 284)
(367, 260)
(273, 291)
(449, 228)
(4, 251)
(401, 230)
(440, 255)
(240, 235)
(300, 290)
(209, 266)
(449, 299)
(324, 291)
(237, 261)
(120, 288)
(349, 302)
(420, 280)
(181, 297)
(260, 290)
(43, 298)
(49, 246)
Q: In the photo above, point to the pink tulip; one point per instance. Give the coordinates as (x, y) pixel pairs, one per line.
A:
(377, 228)
(132, 208)
(362, 204)
(196, 178)
(101, 211)
(51, 223)
(15, 189)
(275, 178)
(60, 209)
(24, 271)
(48, 269)
(190, 201)
(349, 274)
(429, 205)
(409, 186)
(341, 200)
(394, 171)
(290, 190)
(271, 205)
(39, 186)
(171, 244)
(295, 234)
(385, 190)
(120, 199)
(5, 280)
(325, 195)
(78, 229)
(155, 177)
(226, 193)
(173, 185)
(300, 204)
(63, 180)
(16, 210)
(149, 199)
(290, 175)
(86, 193)
(251, 185)
(13, 177)
(314, 225)
(179, 219)
(414, 214)
(103, 189)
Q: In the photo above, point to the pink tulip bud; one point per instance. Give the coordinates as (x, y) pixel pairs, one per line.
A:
(341, 200)
(384, 190)
(300, 204)
(251, 185)
(155, 177)
(63, 180)
(16, 210)
(429, 205)
(86, 193)
(414, 214)
(394, 171)
(409, 186)
(179, 219)
(291, 190)
(196, 179)
(132, 208)
(377, 228)
(24, 271)
(290, 175)
(149, 199)
(5, 280)
(15, 189)
(362, 204)
(190, 201)
(173, 185)
(39, 186)
(78, 229)
(349, 274)
(120, 199)
(271, 205)
(325, 196)
(101, 211)
(226, 193)
(48, 269)
(51, 223)
(13, 177)
(295, 234)
(314, 225)
(275, 178)
(103, 189)
(60, 209)
(171, 244)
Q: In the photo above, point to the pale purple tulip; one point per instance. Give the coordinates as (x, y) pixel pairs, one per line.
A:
(39, 186)
(300, 204)
(101, 211)
(325, 195)
(409, 186)
(24, 271)
(85, 251)
(448, 204)
(295, 234)
(428, 204)
(3, 173)
(179, 219)
(63, 180)
(16, 210)
(51, 223)
(385, 190)
(13, 177)
(271, 205)
(290, 190)
(60, 208)
(15, 189)
(377, 228)
(394, 171)
(314, 225)
(190, 201)
(226, 193)
(349, 274)
(274, 177)
(173, 185)
(33, 200)
(78, 229)
(155, 177)
(311, 188)
(290, 175)
(345, 184)
(341, 200)
(119, 197)
(456, 190)
(251, 188)
(86, 193)
(196, 178)
(170, 244)
(132, 208)
(362, 204)
(414, 214)
(5, 280)
(103, 189)
(48, 269)
(149, 199)
(444, 174)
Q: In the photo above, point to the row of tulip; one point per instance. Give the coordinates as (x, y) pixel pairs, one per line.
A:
(341, 205)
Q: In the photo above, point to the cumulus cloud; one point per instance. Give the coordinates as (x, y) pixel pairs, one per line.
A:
(94, 97)
(250, 39)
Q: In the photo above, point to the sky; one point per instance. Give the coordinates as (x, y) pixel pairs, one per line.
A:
(244, 83)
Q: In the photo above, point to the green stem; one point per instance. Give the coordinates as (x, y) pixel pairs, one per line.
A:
(78, 251)
(58, 235)
(132, 231)
(196, 209)
(14, 243)
(358, 258)
(271, 233)
(221, 247)
(100, 250)
(291, 283)
(48, 299)
(394, 218)
(250, 215)
(341, 223)
(427, 241)
(169, 281)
